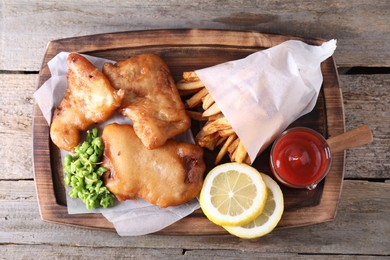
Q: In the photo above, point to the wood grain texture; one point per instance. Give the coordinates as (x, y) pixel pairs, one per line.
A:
(356, 137)
(75, 252)
(72, 252)
(197, 49)
(360, 228)
(366, 101)
(16, 110)
(360, 26)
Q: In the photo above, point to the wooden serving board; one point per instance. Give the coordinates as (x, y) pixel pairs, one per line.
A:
(186, 50)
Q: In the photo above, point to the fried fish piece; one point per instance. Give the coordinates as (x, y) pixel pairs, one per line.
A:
(151, 99)
(89, 99)
(166, 176)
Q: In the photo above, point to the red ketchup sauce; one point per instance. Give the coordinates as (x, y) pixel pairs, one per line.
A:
(300, 158)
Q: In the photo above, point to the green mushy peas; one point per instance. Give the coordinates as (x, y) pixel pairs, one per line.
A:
(83, 172)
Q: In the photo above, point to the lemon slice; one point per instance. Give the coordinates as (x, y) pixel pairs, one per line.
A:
(233, 194)
(268, 219)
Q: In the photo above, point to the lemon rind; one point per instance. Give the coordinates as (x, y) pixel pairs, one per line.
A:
(263, 230)
(224, 220)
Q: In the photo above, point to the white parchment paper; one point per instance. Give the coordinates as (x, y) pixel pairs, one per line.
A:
(265, 92)
(130, 218)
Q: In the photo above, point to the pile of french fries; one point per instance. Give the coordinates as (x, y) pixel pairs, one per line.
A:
(216, 131)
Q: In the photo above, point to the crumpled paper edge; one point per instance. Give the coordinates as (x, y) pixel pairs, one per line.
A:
(275, 124)
(123, 214)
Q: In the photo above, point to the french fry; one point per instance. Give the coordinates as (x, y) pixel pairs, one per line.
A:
(209, 141)
(187, 92)
(224, 148)
(217, 125)
(247, 159)
(188, 85)
(196, 115)
(232, 156)
(215, 117)
(217, 130)
(212, 110)
(196, 99)
(240, 152)
(208, 101)
(226, 132)
(199, 136)
(190, 76)
(221, 140)
(233, 146)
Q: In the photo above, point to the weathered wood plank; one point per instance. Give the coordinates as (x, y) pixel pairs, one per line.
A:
(71, 252)
(366, 99)
(16, 109)
(361, 27)
(74, 252)
(360, 228)
(234, 254)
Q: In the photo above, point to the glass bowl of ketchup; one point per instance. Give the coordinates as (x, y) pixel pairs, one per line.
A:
(300, 158)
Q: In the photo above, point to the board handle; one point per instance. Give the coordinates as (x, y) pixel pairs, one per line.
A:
(354, 138)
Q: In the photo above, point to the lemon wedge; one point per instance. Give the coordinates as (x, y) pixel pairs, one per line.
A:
(268, 219)
(233, 194)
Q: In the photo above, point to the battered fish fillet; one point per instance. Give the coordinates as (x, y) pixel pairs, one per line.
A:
(89, 99)
(151, 99)
(166, 176)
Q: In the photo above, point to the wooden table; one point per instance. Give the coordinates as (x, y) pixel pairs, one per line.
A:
(361, 228)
